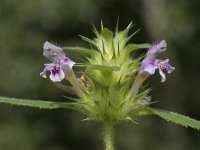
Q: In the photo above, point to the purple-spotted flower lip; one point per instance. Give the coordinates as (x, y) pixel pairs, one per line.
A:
(150, 63)
(61, 65)
(56, 73)
(164, 68)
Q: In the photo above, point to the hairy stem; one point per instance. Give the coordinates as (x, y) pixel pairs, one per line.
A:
(108, 136)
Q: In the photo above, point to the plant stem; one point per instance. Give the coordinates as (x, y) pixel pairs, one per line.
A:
(108, 136)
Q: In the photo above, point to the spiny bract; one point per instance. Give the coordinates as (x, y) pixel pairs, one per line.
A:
(110, 72)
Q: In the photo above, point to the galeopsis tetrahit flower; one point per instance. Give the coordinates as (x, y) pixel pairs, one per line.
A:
(150, 63)
(61, 65)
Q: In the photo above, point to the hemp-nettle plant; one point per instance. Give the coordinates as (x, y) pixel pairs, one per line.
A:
(111, 88)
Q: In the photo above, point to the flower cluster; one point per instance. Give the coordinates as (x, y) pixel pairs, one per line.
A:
(150, 63)
(61, 65)
(103, 89)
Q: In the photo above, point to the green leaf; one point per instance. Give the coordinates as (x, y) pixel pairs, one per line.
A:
(131, 47)
(81, 50)
(101, 67)
(176, 118)
(37, 103)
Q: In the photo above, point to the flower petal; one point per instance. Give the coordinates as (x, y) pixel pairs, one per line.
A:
(56, 73)
(48, 67)
(163, 75)
(68, 61)
(148, 66)
(57, 76)
(154, 51)
(66, 65)
(52, 52)
(164, 68)
(44, 73)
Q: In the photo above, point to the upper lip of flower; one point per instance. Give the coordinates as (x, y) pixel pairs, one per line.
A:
(52, 52)
(155, 50)
(60, 66)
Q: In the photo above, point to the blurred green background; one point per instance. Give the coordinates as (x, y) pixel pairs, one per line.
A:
(26, 24)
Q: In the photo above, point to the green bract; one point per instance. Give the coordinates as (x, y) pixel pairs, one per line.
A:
(109, 73)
